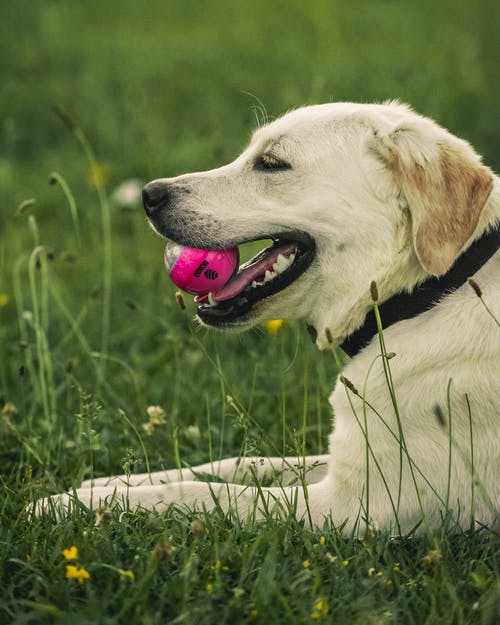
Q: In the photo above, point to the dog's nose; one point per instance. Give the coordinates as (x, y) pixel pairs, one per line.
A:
(155, 195)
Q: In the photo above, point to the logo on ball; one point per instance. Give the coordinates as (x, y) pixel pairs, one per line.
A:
(211, 274)
(197, 273)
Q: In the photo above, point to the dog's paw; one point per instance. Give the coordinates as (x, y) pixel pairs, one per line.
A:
(58, 505)
(64, 504)
(83, 499)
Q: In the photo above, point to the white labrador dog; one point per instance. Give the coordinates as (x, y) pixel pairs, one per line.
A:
(353, 194)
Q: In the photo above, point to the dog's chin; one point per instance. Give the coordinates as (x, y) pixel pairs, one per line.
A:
(257, 286)
(236, 325)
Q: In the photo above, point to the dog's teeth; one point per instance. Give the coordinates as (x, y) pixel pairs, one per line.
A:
(211, 300)
(282, 262)
(269, 275)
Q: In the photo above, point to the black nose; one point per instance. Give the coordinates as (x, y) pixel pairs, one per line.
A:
(155, 195)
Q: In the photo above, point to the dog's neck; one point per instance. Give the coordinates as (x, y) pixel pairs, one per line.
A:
(427, 294)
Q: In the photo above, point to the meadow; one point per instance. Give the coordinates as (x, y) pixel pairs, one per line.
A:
(102, 372)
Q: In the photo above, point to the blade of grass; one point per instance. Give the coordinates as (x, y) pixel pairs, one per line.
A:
(106, 235)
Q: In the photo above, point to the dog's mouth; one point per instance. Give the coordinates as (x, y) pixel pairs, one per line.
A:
(272, 270)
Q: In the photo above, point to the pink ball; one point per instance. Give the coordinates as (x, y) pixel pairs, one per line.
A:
(200, 271)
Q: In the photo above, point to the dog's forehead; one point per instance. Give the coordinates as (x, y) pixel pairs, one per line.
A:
(333, 118)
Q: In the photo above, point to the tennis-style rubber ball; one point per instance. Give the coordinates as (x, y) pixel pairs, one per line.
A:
(200, 271)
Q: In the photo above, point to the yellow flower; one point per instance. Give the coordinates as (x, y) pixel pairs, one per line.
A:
(306, 564)
(9, 409)
(99, 175)
(126, 575)
(209, 587)
(4, 299)
(254, 613)
(273, 326)
(71, 553)
(322, 607)
(432, 558)
(75, 572)
(322, 540)
(345, 562)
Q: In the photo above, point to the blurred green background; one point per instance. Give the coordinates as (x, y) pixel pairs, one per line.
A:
(162, 87)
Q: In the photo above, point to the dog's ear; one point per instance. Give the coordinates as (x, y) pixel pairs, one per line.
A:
(444, 185)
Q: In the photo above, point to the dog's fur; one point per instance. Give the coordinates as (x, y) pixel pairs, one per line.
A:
(391, 197)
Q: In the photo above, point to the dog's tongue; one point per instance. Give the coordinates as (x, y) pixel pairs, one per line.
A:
(252, 270)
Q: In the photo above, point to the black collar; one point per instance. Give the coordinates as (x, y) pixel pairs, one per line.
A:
(426, 295)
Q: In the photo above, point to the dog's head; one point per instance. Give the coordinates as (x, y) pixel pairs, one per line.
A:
(349, 193)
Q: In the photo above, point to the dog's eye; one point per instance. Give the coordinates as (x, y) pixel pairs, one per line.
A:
(269, 162)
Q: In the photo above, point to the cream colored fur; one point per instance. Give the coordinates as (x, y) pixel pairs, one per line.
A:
(391, 197)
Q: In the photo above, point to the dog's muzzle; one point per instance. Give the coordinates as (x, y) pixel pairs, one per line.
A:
(272, 270)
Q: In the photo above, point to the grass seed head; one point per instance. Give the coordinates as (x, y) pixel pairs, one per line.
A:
(65, 117)
(475, 287)
(348, 384)
(329, 337)
(313, 333)
(197, 527)
(24, 207)
(163, 551)
(180, 300)
(103, 516)
(439, 414)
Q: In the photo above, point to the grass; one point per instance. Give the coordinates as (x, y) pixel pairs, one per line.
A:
(91, 334)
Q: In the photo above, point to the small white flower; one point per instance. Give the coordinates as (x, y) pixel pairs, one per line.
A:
(128, 193)
(28, 316)
(156, 414)
(193, 432)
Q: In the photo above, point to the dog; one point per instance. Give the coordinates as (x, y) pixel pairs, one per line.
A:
(378, 217)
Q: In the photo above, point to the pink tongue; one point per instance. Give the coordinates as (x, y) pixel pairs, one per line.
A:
(251, 271)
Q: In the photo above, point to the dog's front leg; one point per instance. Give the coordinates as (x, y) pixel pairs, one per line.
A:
(248, 502)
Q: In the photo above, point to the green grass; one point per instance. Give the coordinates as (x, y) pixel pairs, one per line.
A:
(91, 335)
